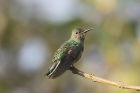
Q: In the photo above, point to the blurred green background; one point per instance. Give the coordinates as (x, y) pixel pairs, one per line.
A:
(32, 30)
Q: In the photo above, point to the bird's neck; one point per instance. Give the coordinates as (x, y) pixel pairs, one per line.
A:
(77, 40)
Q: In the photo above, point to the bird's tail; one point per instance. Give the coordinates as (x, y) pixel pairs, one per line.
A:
(57, 69)
(52, 69)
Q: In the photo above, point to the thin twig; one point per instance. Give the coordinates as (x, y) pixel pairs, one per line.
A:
(104, 81)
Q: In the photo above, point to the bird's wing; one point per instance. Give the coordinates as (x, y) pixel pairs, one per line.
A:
(60, 53)
(66, 61)
(64, 65)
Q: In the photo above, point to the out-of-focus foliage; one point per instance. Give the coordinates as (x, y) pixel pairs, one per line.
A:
(32, 30)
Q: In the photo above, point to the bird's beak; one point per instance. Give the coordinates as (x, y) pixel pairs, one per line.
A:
(85, 31)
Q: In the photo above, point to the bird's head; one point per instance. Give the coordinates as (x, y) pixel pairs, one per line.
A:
(79, 34)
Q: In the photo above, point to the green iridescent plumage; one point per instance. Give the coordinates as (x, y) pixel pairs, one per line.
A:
(69, 53)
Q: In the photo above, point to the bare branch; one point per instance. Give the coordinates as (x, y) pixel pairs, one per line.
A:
(103, 81)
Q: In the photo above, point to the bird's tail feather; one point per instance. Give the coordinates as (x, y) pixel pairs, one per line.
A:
(52, 69)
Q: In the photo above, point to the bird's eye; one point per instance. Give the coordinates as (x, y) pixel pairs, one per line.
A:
(76, 32)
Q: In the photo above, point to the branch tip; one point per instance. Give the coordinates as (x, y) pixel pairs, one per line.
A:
(103, 81)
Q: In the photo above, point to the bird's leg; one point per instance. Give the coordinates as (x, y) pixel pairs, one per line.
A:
(71, 67)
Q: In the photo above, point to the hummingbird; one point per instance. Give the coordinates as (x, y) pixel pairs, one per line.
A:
(69, 53)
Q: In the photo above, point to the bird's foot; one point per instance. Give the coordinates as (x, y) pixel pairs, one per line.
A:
(71, 67)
